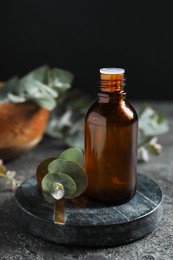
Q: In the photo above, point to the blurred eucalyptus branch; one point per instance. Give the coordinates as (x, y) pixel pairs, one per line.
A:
(42, 86)
(151, 125)
(8, 181)
(67, 121)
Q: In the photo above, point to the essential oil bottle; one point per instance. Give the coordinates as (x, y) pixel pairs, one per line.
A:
(111, 128)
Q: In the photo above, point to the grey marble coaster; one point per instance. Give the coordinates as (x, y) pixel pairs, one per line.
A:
(90, 223)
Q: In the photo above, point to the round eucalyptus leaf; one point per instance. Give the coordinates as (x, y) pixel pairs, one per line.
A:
(48, 197)
(47, 102)
(37, 89)
(39, 74)
(42, 170)
(73, 154)
(46, 89)
(15, 98)
(50, 179)
(60, 79)
(73, 170)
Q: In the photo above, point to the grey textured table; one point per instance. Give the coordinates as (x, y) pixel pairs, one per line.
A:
(15, 244)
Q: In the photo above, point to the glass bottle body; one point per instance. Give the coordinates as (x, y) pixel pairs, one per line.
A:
(111, 127)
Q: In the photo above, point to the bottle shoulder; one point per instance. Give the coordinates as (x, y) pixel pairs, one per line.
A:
(119, 113)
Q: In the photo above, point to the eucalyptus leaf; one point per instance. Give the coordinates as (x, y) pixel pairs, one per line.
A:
(38, 89)
(42, 170)
(42, 86)
(16, 99)
(48, 197)
(47, 89)
(65, 120)
(37, 93)
(73, 154)
(10, 174)
(8, 177)
(51, 178)
(45, 102)
(38, 74)
(150, 123)
(155, 149)
(40, 94)
(143, 154)
(53, 128)
(61, 79)
(73, 170)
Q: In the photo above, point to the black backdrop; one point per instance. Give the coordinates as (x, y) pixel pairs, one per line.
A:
(84, 35)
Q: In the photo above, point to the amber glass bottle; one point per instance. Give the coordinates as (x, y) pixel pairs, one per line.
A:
(111, 127)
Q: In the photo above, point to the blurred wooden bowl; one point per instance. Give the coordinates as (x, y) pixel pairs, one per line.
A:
(21, 128)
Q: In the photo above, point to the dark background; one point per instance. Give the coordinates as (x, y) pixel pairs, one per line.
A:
(84, 35)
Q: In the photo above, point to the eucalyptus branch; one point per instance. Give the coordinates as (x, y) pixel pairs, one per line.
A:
(42, 86)
(8, 177)
(66, 123)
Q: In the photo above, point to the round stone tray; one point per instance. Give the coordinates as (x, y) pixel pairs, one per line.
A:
(90, 223)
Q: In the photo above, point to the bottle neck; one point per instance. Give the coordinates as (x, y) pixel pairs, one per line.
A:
(111, 88)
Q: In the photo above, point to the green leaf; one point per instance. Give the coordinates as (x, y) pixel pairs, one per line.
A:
(41, 86)
(73, 170)
(15, 98)
(160, 118)
(38, 89)
(48, 197)
(61, 79)
(143, 155)
(37, 93)
(38, 74)
(57, 193)
(50, 179)
(73, 154)
(46, 102)
(10, 174)
(155, 148)
(42, 170)
(66, 121)
(53, 128)
(150, 123)
(46, 89)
